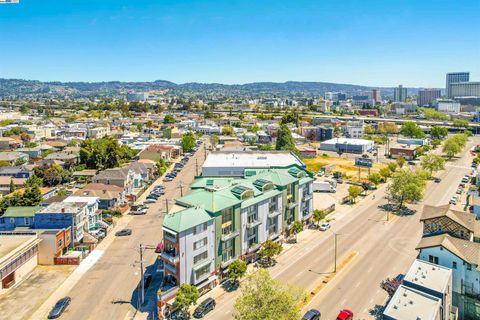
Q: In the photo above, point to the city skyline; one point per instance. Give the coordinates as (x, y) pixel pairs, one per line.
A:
(208, 42)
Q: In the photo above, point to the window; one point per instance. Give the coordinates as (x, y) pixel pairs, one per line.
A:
(200, 243)
(12, 220)
(433, 259)
(454, 265)
(227, 215)
(200, 228)
(27, 221)
(439, 228)
(202, 272)
(469, 266)
(227, 250)
(273, 205)
(200, 257)
(251, 232)
(462, 234)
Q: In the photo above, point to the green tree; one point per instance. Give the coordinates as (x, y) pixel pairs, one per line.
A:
(285, 140)
(411, 129)
(460, 123)
(104, 153)
(265, 298)
(214, 140)
(32, 181)
(319, 215)
(169, 119)
(269, 250)
(227, 130)
(290, 117)
(255, 128)
(354, 192)
(433, 163)
(406, 186)
(4, 163)
(12, 186)
(435, 143)
(400, 161)
(188, 142)
(385, 172)
(375, 178)
(451, 147)
(236, 270)
(438, 132)
(392, 166)
(187, 295)
(297, 228)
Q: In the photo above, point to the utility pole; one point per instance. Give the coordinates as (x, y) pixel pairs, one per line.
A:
(335, 268)
(196, 167)
(142, 293)
(181, 188)
(166, 204)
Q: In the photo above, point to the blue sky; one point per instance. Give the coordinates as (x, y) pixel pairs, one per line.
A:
(379, 43)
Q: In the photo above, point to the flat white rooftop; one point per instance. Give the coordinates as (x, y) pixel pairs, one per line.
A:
(429, 275)
(348, 141)
(410, 304)
(251, 159)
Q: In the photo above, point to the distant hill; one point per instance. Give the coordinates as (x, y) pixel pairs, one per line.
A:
(37, 89)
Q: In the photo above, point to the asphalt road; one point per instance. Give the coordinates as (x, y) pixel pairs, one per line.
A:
(384, 250)
(108, 289)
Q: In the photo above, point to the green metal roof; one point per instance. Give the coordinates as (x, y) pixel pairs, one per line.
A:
(241, 191)
(14, 212)
(263, 184)
(186, 219)
(305, 180)
(212, 201)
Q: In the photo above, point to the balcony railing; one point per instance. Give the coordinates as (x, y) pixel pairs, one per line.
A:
(170, 238)
(170, 267)
(253, 223)
(230, 235)
(308, 197)
(291, 204)
(273, 214)
(165, 293)
(225, 264)
(254, 247)
(170, 256)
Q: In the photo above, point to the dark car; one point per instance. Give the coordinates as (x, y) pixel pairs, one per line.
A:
(437, 180)
(312, 314)
(59, 308)
(205, 307)
(147, 279)
(123, 232)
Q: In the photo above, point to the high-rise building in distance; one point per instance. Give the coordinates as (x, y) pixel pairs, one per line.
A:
(400, 94)
(427, 96)
(465, 89)
(455, 77)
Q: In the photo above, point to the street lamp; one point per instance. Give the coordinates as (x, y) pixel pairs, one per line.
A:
(335, 235)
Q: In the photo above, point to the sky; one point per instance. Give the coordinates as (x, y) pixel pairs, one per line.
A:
(365, 42)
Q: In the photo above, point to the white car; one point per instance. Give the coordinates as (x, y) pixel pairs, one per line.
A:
(453, 200)
(325, 226)
(149, 200)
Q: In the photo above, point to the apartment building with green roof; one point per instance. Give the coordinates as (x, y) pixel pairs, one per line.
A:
(228, 218)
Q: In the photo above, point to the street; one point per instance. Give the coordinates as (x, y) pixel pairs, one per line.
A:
(108, 289)
(384, 250)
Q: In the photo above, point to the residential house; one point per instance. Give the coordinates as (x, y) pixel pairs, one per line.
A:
(68, 158)
(9, 143)
(55, 243)
(121, 177)
(109, 196)
(59, 215)
(5, 184)
(15, 172)
(14, 157)
(92, 209)
(145, 169)
(18, 217)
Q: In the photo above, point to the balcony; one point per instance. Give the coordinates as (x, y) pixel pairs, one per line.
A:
(291, 205)
(272, 235)
(308, 197)
(253, 223)
(170, 256)
(166, 292)
(170, 268)
(230, 235)
(225, 264)
(254, 247)
(169, 237)
(273, 214)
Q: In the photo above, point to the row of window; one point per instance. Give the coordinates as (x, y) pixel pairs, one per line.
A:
(435, 260)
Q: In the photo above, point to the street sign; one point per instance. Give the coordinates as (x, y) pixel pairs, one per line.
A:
(363, 162)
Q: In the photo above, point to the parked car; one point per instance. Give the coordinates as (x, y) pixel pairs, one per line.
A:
(325, 226)
(167, 179)
(411, 163)
(465, 179)
(59, 308)
(159, 248)
(459, 191)
(147, 279)
(453, 200)
(205, 307)
(312, 314)
(149, 200)
(139, 211)
(345, 314)
(123, 232)
(437, 180)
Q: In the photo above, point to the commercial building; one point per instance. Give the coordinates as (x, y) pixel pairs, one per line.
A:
(354, 129)
(234, 164)
(465, 89)
(407, 152)
(347, 145)
(137, 97)
(362, 101)
(18, 257)
(228, 218)
(445, 105)
(426, 97)
(400, 94)
(455, 77)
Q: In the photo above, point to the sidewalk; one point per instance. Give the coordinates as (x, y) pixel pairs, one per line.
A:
(78, 273)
